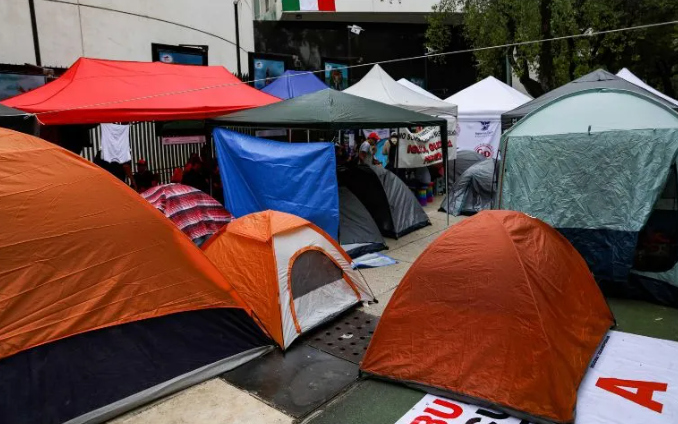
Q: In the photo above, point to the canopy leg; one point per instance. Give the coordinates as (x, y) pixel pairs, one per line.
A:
(444, 139)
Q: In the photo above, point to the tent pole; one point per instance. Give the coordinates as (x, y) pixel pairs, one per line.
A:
(308, 136)
(397, 156)
(443, 138)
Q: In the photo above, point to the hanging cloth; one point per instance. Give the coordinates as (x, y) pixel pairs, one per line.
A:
(115, 146)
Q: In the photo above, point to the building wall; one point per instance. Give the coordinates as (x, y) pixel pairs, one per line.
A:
(122, 29)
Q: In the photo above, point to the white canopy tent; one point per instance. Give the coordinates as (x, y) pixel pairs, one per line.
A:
(379, 86)
(480, 109)
(414, 87)
(630, 77)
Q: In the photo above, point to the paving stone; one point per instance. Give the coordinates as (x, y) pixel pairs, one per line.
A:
(212, 402)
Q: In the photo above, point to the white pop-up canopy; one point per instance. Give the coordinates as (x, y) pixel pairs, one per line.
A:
(379, 86)
(480, 109)
(630, 77)
(414, 87)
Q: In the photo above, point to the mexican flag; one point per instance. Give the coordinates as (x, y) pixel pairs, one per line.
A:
(309, 6)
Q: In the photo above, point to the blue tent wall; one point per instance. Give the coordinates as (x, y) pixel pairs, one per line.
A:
(297, 178)
(294, 84)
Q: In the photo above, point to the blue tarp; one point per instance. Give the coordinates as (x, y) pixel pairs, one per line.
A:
(294, 84)
(297, 178)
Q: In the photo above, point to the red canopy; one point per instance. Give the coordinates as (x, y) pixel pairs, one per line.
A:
(95, 90)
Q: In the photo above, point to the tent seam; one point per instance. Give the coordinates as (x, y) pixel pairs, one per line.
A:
(529, 284)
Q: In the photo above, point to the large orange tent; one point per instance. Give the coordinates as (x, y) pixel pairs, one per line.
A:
(104, 303)
(499, 311)
(96, 90)
(290, 272)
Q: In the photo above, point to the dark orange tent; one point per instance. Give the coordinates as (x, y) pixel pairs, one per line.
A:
(101, 296)
(290, 272)
(499, 311)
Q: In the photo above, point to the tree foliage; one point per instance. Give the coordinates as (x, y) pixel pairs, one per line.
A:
(650, 53)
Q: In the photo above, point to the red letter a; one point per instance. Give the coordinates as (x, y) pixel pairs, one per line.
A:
(643, 395)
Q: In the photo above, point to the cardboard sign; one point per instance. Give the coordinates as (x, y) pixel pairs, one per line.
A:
(424, 148)
(633, 380)
(479, 136)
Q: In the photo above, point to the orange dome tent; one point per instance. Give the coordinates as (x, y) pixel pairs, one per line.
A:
(500, 311)
(104, 303)
(289, 271)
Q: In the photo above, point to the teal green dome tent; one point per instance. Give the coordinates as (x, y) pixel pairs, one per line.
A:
(599, 165)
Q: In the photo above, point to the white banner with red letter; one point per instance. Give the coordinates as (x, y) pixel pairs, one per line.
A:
(479, 136)
(633, 380)
(424, 148)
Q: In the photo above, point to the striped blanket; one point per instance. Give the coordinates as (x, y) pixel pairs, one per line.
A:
(197, 214)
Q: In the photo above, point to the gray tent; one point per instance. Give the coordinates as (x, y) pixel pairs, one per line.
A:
(392, 205)
(18, 120)
(358, 233)
(330, 110)
(473, 190)
(596, 79)
(465, 159)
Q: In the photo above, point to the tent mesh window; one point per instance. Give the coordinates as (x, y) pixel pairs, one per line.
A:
(657, 249)
(312, 270)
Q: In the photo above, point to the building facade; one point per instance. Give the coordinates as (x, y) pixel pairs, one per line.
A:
(321, 35)
(121, 30)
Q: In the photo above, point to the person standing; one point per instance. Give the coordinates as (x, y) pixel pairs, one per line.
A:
(143, 177)
(390, 150)
(194, 176)
(121, 171)
(367, 149)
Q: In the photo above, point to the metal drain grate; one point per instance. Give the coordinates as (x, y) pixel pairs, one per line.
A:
(297, 381)
(347, 337)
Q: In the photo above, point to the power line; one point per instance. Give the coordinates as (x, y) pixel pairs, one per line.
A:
(586, 34)
(150, 18)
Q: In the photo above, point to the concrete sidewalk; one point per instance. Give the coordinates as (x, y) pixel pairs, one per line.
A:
(366, 401)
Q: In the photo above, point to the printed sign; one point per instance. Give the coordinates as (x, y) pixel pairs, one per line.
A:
(479, 136)
(437, 410)
(633, 380)
(266, 71)
(336, 75)
(183, 139)
(423, 148)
